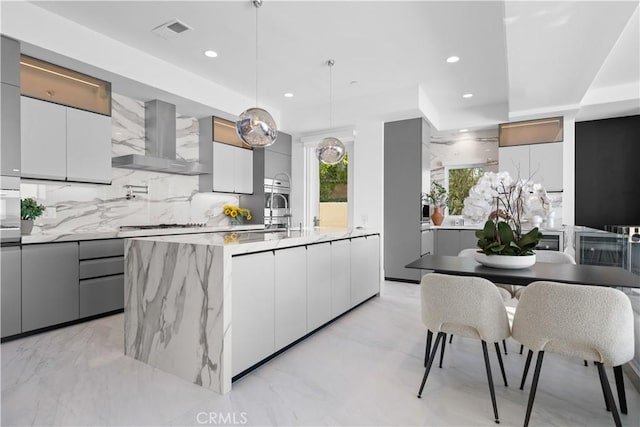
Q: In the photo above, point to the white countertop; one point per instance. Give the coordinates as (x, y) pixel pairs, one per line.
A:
(240, 242)
(96, 235)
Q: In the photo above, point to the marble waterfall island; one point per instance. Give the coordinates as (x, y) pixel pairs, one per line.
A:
(207, 307)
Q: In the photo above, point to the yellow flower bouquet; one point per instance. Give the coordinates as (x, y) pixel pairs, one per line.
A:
(237, 214)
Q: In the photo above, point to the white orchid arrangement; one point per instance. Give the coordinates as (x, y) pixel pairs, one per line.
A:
(497, 196)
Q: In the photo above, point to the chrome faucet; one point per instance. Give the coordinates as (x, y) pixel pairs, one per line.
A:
(132, 190)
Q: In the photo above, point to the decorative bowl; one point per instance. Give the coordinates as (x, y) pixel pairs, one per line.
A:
(509, 262)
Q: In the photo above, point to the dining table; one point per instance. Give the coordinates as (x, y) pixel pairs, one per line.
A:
(581, 274)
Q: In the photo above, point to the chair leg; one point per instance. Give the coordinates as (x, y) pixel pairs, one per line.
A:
(429, 363)
(504, 344)
(521, 348)
(490, 381)
(608, 394)
(606, 401)
(450, 338)
(504, 377)
(526, 369)
(622, 397)
(444, 344)
(428, 348)
(534, 386)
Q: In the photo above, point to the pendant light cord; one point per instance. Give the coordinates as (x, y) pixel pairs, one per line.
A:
(330, 63)
(257, 6)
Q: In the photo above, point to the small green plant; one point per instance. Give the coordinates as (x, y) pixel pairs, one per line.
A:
(500, 240)
(30, 208)
(438, 195)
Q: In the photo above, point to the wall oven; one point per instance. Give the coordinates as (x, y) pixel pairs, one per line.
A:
(276, 202)
(9, 209)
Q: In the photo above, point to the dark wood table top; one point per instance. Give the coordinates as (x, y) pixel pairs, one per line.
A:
(566, 273)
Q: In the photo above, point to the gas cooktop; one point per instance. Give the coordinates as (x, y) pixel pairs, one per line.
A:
(159, 226)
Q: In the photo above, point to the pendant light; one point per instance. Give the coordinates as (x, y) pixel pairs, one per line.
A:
(331, 150)
(255, 126)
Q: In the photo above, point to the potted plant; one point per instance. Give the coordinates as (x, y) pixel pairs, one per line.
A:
(237, 214)
(30, 209)
(506, 204)
(438, 198)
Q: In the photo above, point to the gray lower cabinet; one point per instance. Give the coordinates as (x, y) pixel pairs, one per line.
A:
(426, 242)
(11, 299)
(451, 242)
(101, 295)
(101, 272)
(49, 285)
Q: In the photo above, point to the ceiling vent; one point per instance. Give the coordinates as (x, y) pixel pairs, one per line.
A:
(170, 29)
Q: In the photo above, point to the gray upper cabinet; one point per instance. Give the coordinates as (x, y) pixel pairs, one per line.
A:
(88, 147)
(10, 130)
(545, 165)
(50, 280)
(44, 139)
(277, 157)
(223, 167)
(10, 107)
(10, 64)
(11, 299)
(542, 163)
(63, 143)
(231, 162)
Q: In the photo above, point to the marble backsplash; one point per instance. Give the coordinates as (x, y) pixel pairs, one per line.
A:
(82, 208)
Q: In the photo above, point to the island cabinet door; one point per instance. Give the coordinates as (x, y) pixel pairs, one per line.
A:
(359, 271)
(340, 277)
(365, 268)
(252, 309)
(290, 295)
(318, 285)
(373, 266)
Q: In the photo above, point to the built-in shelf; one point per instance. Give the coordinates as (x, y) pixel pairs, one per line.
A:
(52, 83)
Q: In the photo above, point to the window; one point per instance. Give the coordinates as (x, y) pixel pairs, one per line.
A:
(459, 180)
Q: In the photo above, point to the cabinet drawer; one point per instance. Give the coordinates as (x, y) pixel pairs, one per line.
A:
(101, 267)
(101, 248)
(101, 295)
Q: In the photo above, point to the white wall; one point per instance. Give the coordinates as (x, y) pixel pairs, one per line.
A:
(368, 175)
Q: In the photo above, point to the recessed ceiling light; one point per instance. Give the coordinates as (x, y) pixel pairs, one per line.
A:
(464, 130)
(453, 59)
(288, 95)
(467, 95)
(210, 53)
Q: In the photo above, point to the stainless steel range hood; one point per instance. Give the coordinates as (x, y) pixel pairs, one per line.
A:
(160, 144)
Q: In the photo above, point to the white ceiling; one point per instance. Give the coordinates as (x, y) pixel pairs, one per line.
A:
(516, 57)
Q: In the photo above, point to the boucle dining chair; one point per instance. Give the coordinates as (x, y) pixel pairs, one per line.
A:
(551, 257)
(507, 292)
(587, 322)
(468, 307)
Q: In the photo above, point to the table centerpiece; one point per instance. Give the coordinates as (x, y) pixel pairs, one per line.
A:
(506, 204)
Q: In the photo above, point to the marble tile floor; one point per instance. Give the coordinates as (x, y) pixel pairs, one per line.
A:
(364, 369)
